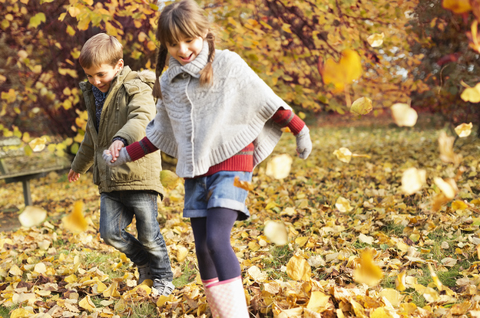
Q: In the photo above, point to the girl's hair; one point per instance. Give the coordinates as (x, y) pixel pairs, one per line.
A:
(100, 49)
(182, 19)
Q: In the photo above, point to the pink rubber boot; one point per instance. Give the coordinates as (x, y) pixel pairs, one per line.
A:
(207, 283)
(227, 299)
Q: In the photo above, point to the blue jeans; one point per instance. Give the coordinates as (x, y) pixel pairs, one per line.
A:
(117, 209)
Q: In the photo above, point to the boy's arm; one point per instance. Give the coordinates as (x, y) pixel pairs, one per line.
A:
(286, 118)
(85, 155)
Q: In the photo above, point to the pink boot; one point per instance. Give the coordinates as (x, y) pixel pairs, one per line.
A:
(227, 299)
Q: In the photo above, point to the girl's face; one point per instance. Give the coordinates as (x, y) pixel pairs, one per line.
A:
(101, 76)
(186, 50)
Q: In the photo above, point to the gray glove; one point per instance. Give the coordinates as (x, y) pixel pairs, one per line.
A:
(123, 157)
(304, 143)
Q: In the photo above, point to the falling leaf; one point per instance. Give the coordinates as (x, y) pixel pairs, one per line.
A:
(169, 179)
(276, 232)
(75, 221)
(38, 144)
(343, 154)
(347, 70)
(279, 166)
(367, 272)
(445, 144)
(343, 205)
(86, 303)
(245, 185)
(471, 94)
(298, 268)
(457, 6)
(464, 130)
(32, 216)
(413, 180)
(362, 106)
(404, 115)
(376, 40)
(182, 253)
(449, 187)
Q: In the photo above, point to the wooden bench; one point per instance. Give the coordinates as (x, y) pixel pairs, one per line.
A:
(15, 166)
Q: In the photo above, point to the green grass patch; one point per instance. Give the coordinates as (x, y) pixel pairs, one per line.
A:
(189, 273)
(5, 311)
(141, 310)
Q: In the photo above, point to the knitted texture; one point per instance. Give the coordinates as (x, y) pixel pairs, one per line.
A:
(227, 299)
(203, 125)
(286, 118)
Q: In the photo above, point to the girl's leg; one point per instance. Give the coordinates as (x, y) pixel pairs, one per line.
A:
(205, 263)
(219, 223)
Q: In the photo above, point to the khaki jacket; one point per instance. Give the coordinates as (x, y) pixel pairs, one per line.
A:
(127, 110)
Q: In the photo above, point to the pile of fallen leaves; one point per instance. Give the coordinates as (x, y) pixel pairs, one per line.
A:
(337, 235)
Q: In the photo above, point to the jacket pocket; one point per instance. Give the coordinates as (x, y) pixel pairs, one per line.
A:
(131, 171)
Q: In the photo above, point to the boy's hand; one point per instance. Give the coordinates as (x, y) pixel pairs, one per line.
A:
(73, 176)
(122, 158)
(115, 149)
(304, 143)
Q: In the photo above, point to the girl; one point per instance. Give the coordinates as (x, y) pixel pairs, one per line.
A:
(220, 120)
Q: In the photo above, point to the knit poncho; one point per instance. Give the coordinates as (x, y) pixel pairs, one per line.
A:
(203, 125)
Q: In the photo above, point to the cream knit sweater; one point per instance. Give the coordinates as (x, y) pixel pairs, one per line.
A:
(204, 125)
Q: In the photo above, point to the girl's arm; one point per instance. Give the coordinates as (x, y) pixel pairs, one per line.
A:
(286, 118)
(132, 152)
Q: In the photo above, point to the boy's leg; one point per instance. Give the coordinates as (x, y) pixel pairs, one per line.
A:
(144, 206)
(114, 218)
(205, 262)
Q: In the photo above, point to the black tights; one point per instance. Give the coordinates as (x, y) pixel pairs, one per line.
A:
(215, 254)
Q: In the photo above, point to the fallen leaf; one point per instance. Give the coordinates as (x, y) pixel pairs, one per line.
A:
(343, 205)
(298, 268)
(376, 40)
(86, 303)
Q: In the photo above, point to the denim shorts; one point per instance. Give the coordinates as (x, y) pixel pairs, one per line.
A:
(216, 191)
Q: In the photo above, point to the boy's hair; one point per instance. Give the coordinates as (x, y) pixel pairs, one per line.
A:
(100, 49)
(184, 18)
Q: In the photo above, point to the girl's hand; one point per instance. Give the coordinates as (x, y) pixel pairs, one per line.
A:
(122, 158)
(304, 143)
(73, 176)
(115, 149)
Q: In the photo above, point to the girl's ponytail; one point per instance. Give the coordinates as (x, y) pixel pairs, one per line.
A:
(206, 75)
(161, 60)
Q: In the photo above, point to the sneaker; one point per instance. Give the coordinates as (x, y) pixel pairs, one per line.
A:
(143, 273)
(163, 287)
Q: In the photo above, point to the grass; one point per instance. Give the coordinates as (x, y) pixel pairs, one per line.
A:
(5, 312)
(280, 255)
(103, 262)
(141, 310)
(189, 273)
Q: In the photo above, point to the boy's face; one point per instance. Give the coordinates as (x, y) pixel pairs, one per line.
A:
(186, 50)
(101, 76)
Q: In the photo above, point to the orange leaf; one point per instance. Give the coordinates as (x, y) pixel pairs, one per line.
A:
(245, 185)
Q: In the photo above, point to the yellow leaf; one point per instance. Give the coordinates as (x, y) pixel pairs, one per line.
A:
(151, 46)
(163, 299)
(404, 115)
(276, 232)
(21, 313)
(367, 272)
(111, 291)
(71, 279)
(15, 271)
(32, 216)
(169, 179)
(380, 312)
(10, 96)
(471, 94)
(99, 288)
(393, 296)
(459, 205)
(445, 144)
(343, 154)
(75, 221)
(245, 185)
(38, 144)
(40, 268)
(435, 279)
(86, 303)
(318, 301)
(464, 130)
(257, 274)
(286, 28)
(347, 70)
(298, 268)
(74, 11)
(182, 253)
(279, 166)
(343, 205)
(457, 6)
(361, 106)
(376, 40)
(400, 281)
(413, 180)
(300, 241)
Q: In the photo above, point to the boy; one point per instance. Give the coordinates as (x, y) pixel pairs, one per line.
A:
(120, 104)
